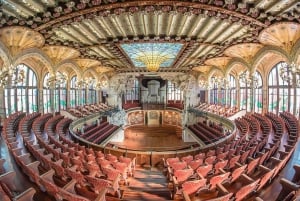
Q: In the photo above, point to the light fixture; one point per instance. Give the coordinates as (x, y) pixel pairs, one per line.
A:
(219, 81)
(152, 60)
(8, 72)
(82, 84)
(57, 79)
(203, 84)
(101, 84)
(247, 78)
(287, 71)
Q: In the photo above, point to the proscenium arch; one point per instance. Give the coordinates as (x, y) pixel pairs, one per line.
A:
(34, 53)
(70, 64)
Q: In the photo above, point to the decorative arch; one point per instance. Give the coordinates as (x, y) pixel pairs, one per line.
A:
(233, 63)
(4, 55)
(22, 95)
(36, 53)
(267, 50)
(213, 71)
(91, 71)
(296, 51)
(70, 64)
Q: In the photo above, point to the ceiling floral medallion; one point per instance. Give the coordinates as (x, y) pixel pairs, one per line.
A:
(152, 55)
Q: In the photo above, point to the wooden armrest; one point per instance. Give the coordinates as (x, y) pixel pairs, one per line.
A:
(8, 179)
(238, 164)
(259, 154)
(101, 195)
(287, 184)
(175, 182)
(222, 171)
(222, 190)
(186, 197)
(297, 168)
(264, 168)
(26, 195)
(246, 177)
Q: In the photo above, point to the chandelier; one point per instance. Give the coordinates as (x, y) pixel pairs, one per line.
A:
(219, 82)
(247, 78)
(57, 79)
(8, 72)
(152, 60)
(82, 84)
(203, 84)
(287, 71)
(103, 83)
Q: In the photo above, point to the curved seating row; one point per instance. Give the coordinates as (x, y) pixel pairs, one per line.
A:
(63, 168)
(82, 111)
(205, 133)
(248, 163)
(218, 109)
(98, 133)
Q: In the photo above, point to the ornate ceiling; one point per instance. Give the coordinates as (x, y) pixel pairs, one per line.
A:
(92, 31)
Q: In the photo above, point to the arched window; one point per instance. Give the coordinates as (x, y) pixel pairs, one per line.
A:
(22, 95)
(82, 100)
(60, 94)
(46, 94)
(132, 90)
(173, 92)
(232, 92)
(243, 95)
(280, 96)
(73, 92)
(258, 94)
(214, 92)
(92, 93)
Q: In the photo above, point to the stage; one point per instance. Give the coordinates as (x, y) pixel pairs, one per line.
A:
(153, 138)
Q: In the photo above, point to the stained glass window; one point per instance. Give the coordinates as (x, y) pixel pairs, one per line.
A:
(232, 92)
(173, 92)
(243, 95)
(258, 95)
(281, 96)
(73, 92)
(165, 52)
(214, 93)
(46, 95)
(23, 95)
(92, 93)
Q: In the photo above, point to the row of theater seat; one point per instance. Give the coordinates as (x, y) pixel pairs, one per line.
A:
(217, 109)
(85, 110)
(63, 168)
(205, 133)
(99, 133)
(249, 162)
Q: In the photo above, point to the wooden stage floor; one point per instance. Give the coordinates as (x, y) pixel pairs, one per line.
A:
(152, 138)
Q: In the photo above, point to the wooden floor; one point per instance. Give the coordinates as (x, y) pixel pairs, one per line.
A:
(151, 138)
(148, 184)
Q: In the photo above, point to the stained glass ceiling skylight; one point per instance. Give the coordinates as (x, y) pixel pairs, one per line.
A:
(141, 54)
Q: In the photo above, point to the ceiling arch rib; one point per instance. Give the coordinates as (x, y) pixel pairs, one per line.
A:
(208, 29)
(18, 39)
(245, 51)
(283, 35)
(59, 53)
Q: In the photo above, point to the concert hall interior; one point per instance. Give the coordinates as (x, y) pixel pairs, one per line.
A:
(155, 100)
